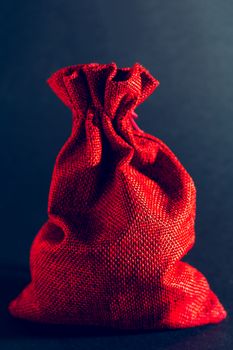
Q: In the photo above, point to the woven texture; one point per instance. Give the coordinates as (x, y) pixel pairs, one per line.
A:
(121, 214)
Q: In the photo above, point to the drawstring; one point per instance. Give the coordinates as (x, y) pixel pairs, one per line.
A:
(134, 116)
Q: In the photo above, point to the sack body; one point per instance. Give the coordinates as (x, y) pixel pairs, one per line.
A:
(121, 216)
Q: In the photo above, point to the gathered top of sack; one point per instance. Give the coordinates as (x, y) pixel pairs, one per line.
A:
(103, 87)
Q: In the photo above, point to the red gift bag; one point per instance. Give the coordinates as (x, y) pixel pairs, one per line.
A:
(121, 214)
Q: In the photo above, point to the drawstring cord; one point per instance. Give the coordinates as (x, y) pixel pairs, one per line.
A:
(134, 116)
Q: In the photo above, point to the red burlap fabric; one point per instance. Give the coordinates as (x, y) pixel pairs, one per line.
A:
(121, 214)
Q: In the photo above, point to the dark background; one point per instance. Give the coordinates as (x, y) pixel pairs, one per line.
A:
(188, 46)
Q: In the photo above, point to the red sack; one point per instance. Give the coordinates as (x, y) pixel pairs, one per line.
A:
(121, 213)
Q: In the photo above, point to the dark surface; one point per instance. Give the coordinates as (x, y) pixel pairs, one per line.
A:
(188, 47)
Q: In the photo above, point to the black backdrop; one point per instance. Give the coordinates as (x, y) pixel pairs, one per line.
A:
(188, 46)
